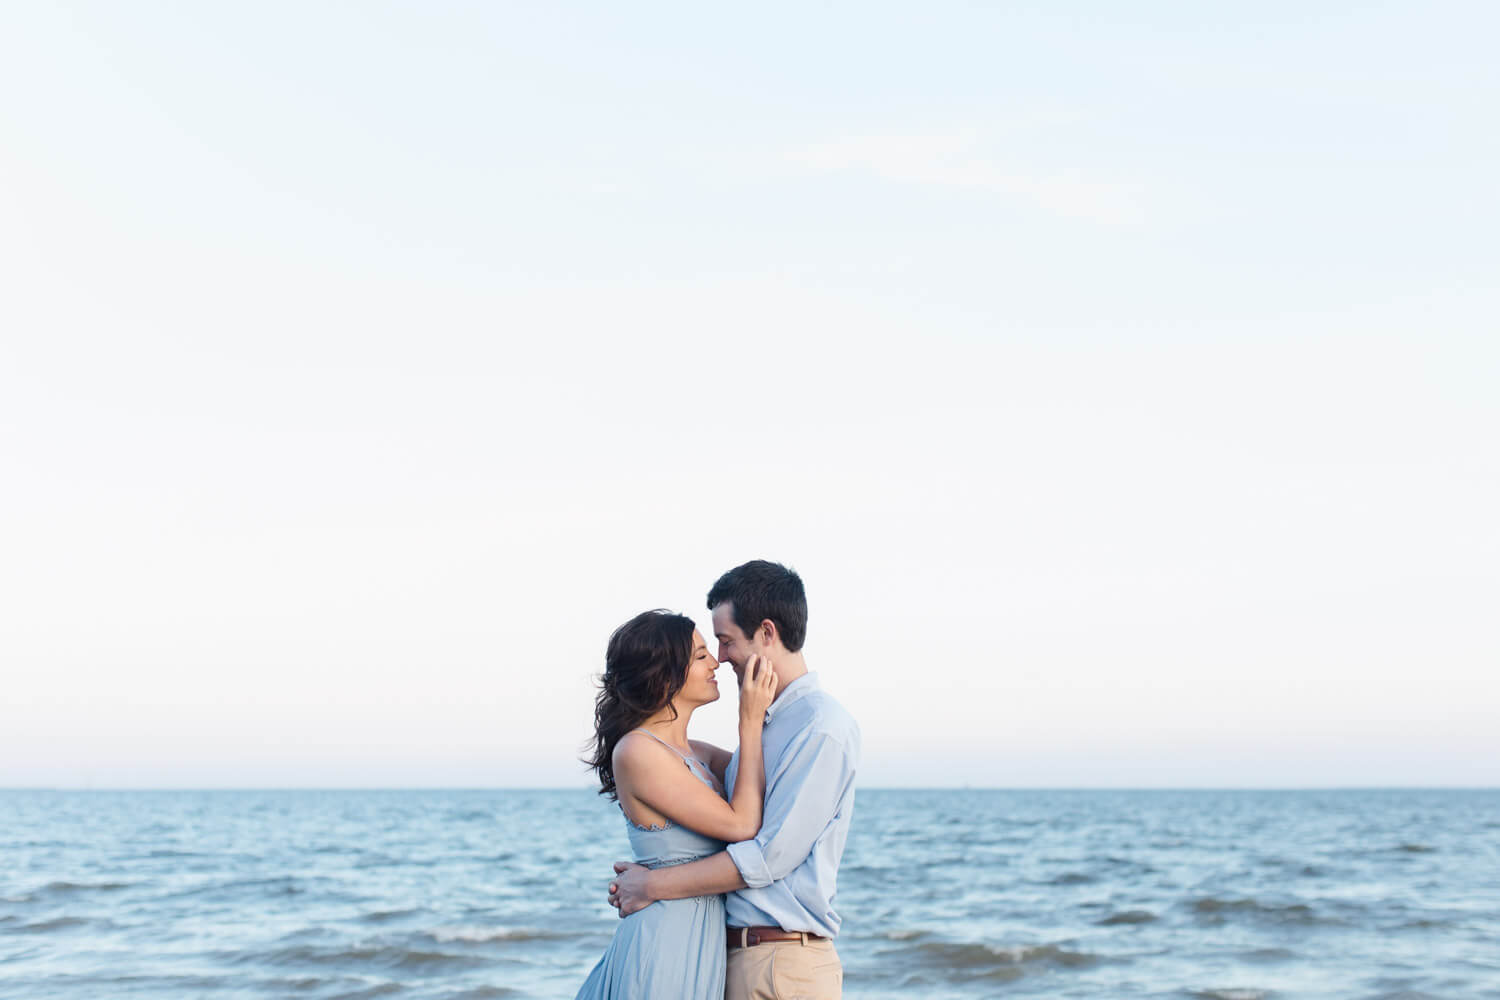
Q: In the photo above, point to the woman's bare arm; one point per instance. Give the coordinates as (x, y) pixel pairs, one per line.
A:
(653, 775)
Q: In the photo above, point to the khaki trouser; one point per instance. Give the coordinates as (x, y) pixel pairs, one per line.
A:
(784, 970)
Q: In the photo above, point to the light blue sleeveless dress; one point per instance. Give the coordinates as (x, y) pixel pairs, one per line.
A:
(673, 948)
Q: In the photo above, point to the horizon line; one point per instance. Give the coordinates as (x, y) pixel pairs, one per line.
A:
(868, 788)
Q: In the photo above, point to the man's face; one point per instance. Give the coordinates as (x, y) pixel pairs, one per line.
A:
(734, 646)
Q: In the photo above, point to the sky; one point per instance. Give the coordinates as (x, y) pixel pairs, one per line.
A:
(1121, 379)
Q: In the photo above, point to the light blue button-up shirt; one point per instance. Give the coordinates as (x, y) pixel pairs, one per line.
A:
(791, 868)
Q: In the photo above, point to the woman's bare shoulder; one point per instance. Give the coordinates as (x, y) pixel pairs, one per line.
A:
(637, 750)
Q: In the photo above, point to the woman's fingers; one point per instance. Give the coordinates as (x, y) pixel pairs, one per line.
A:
(759, 677)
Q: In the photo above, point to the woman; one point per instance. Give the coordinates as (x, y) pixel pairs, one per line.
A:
(658, 670)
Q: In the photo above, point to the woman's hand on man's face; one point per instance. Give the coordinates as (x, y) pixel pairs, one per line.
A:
(757, 688)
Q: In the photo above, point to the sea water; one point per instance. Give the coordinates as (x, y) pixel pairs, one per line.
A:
(954, 893)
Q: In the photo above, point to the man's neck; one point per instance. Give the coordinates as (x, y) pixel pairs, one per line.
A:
(789, 667)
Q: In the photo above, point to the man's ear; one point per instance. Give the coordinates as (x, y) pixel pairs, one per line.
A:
(768, 635)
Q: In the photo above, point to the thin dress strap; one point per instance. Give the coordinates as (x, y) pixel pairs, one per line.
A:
(689, 761)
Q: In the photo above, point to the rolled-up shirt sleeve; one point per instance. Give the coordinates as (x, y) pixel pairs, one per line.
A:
(803, 800)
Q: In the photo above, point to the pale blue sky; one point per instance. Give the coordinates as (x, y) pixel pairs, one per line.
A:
(1121, 378)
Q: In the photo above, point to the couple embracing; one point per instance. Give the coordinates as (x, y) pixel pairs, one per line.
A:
(731, 893)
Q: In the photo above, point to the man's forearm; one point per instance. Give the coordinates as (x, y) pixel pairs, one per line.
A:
(705, 877)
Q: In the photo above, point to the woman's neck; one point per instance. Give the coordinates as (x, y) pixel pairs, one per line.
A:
(664, 727)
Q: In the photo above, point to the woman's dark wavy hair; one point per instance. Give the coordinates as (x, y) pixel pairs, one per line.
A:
(645, 665)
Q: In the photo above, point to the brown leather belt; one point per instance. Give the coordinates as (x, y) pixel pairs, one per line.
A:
(747, 937)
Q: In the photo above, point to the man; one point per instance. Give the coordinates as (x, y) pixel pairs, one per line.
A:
(782, 884)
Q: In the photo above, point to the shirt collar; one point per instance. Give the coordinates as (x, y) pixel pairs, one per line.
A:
(802, 686)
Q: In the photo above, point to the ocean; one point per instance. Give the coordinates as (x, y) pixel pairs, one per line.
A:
(463, 895)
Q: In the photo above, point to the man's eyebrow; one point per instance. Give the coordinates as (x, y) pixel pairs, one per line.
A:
(721, 636)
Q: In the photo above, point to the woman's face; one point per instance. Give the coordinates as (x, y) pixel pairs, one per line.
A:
(700, 688)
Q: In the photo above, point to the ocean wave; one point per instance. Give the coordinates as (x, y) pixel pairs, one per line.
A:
(279, 885)
(483, 993)
(365, 957)
(272, 885)
(1230, 994)
(1412, 848)
(66, 887)
(1303, 868)
(1071, 878)
(309, 933)
(340, 986)
(1291, 913)
(370, 992)
(382, 916)
(1128, 917)
(375, 859)
(471, 816)
(1267, 955)
(977, 958)
(476, 934)
(169, 852)
(301, 984)
(59, 924)
(160, 984)
(1427, 924)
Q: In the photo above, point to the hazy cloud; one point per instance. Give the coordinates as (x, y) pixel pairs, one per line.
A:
(958, 160)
